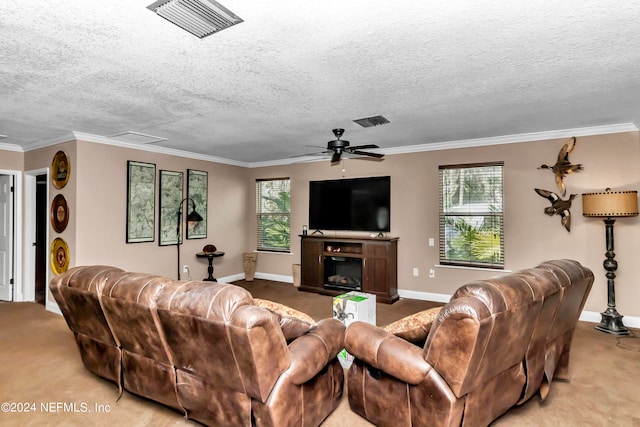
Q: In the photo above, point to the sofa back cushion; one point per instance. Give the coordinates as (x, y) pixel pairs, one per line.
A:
(129, 302)
(545, 288)
(575, 282)
(77, 292)
(482, 332)
(214, 332)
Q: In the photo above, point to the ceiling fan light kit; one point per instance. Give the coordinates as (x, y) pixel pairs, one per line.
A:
(199, 17)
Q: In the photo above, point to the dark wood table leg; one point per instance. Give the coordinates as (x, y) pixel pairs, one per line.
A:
(210, 269)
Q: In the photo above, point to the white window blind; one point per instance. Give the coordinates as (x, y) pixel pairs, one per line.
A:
(471, 215)
(273, 210)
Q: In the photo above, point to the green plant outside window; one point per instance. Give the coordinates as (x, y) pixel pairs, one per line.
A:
(471, 215)
(273, 208)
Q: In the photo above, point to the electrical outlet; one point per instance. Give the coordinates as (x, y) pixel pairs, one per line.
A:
(432, 273)
(185, 269)
(415, 272)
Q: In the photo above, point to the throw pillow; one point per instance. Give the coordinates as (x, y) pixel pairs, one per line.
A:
(415, 327)
(292, 322)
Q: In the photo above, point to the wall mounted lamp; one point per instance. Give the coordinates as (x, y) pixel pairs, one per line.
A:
(610, 205)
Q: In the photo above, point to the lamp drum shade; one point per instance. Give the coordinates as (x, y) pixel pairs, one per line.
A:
(610, 204)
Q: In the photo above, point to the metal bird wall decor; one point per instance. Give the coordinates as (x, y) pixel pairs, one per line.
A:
(563, 166)
(558, 206)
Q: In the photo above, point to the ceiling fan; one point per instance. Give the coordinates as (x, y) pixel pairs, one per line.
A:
(338, 146)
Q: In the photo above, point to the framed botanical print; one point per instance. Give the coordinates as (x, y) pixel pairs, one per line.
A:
(170, 230)
(141, 194)
(197, 190)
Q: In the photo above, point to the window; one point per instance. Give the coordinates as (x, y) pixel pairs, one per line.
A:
(273, 214)
(471, 218)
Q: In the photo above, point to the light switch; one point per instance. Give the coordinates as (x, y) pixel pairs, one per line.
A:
(432, 241)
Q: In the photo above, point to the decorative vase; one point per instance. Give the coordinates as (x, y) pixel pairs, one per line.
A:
(296, 275)
(250, 260)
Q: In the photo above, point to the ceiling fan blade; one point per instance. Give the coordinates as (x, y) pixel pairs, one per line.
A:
(367, 153)
(336, 157)
(363, 147)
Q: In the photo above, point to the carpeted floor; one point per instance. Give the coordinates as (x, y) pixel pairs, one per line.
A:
(44, 382)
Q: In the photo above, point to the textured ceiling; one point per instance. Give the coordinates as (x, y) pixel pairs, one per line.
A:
(266, 88)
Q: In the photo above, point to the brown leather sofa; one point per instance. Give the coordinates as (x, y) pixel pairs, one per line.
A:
(494, 345)
(203, 348)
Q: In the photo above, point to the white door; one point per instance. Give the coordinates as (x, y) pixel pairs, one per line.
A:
(6, 238)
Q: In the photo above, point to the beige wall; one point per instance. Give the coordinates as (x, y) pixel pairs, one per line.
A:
(530, 235)
(101, 213)
(11, 160)
(96, 194)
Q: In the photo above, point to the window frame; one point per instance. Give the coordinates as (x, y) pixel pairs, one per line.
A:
(496, 219)
(261, 216)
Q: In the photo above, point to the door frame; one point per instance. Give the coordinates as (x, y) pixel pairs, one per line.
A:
(29, 253)
(17, 265)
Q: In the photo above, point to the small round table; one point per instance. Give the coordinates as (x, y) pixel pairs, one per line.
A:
(210, 256)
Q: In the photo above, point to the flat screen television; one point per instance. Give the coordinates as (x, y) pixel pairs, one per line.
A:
(356, 204)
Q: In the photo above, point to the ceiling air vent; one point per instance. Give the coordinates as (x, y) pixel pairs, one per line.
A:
(199, 17)
(372, 121)
(139, 138)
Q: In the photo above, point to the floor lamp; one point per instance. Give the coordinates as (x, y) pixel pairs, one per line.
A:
(193, 218)
(610, 205)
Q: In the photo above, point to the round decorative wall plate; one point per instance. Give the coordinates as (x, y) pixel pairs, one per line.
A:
(59, 256)
(60, 169)
(59, 213)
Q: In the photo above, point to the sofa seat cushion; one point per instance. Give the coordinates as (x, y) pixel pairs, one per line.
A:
(414, 327)
(294, 323)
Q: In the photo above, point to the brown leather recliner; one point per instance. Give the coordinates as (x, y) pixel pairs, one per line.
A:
(128, 301)
(77, 293)
(575, 286)
(489, 348)
(203, 348)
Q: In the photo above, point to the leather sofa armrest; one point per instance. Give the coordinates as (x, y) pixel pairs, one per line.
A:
(311, 352)
(386, 352)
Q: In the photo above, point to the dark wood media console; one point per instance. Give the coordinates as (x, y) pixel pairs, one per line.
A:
(336, 265)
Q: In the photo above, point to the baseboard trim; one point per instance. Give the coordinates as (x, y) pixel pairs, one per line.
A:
(265, 276)
(425, 296)
(594, 317)
(232, 278)
(585, 316)
(274, 277)
(52, 307)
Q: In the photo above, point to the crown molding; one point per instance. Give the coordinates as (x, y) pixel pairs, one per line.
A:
(515, 138)
(432, 146)
(10, 147)
(98, 139)
(155, 149)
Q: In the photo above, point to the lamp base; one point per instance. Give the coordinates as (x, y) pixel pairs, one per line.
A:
(611, 323)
